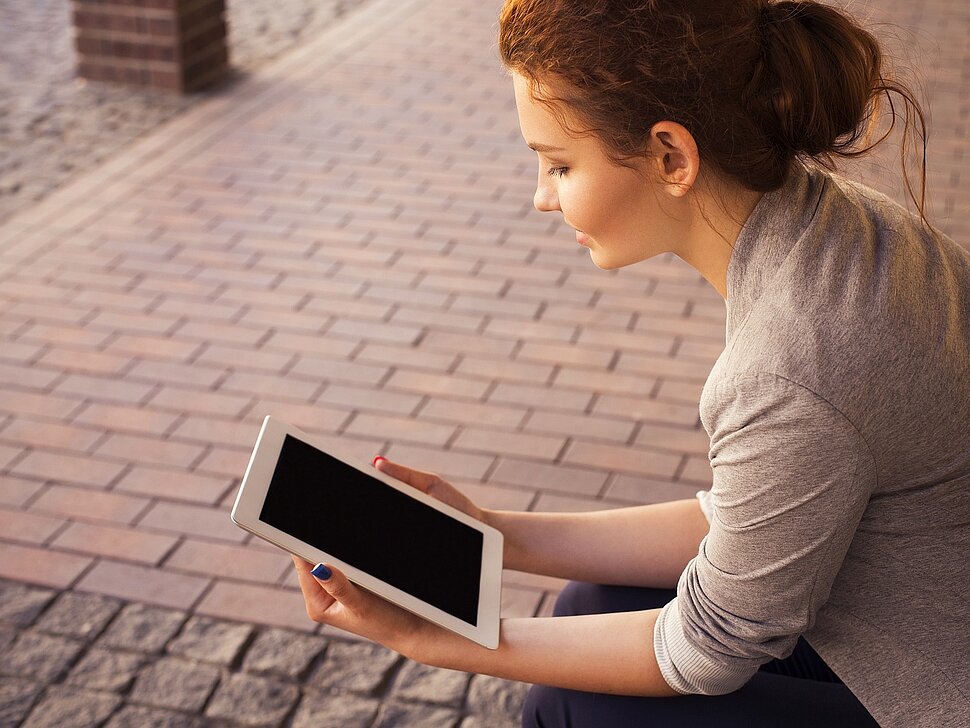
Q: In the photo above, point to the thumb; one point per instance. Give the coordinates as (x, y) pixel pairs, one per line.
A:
(336, 585)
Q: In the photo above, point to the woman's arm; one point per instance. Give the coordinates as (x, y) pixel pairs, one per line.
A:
(612, 653)
(637, 546)
(609, 653)
(602, 653)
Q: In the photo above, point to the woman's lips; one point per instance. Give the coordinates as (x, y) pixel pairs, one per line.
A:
(582, 238)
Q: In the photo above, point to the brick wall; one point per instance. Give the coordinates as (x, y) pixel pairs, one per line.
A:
(175, 45)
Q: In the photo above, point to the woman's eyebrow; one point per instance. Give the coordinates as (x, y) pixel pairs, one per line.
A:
(545, 148)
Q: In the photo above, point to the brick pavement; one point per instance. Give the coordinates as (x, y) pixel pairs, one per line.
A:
(346, 240)
(54, 126)
(80, 659)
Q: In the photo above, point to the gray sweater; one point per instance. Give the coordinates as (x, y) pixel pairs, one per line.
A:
(839, 418)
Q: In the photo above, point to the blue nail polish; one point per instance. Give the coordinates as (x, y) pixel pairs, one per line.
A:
(321, 572)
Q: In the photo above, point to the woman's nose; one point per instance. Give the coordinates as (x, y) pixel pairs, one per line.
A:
(546, 199)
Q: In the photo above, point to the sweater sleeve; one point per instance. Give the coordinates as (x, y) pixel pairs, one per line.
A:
(791, 480)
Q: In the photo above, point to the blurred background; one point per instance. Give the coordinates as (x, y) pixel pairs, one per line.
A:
(339, 233)
(54, 124)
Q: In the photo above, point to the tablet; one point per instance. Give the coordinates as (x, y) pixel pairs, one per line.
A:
(385, 535)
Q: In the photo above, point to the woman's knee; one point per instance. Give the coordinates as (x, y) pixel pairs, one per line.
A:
(579, 597)
(543, 708)
(573, 599)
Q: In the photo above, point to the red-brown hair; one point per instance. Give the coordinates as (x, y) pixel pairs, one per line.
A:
(758, 83)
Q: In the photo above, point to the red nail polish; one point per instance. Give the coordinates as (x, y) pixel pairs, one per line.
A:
(379, 457)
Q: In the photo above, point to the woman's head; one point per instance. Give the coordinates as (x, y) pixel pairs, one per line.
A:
(623, 213)
(756, 83)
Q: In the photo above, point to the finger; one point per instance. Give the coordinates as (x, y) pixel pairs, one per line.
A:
(316, 597)
(308, 585)
(337, 586)
(416, 478)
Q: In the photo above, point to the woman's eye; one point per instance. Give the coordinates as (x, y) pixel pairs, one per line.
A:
(557, 171)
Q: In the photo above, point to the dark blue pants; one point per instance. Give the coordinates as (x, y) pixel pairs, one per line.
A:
(800, 691)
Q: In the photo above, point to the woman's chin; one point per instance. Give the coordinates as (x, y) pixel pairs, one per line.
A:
(604, 261)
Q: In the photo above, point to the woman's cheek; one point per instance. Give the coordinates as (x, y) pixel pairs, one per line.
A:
(577, 210)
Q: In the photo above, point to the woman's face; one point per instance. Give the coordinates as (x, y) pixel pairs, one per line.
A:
(616, 211)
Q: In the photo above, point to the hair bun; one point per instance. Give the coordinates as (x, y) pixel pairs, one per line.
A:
(816, 79)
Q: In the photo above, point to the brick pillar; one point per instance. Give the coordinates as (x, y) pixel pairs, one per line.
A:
(175, 45)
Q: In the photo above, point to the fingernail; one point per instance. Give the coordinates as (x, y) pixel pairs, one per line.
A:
(321, 572)
(379, 457)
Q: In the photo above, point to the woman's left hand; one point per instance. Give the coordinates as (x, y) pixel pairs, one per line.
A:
(339, 603)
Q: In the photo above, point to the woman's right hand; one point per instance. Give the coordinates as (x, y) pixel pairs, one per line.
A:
(433, 485)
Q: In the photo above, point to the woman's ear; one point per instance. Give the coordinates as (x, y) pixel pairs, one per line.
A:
(674, 152)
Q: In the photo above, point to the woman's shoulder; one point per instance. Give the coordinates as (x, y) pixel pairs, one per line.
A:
(854, 208)
(858, 269)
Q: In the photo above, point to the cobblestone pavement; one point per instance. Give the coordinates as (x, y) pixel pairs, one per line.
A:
(54, 125)
(344, 239)
(73, 659)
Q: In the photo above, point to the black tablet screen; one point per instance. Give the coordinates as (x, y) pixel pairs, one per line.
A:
(375, 528)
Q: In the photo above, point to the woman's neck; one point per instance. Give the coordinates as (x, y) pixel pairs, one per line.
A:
(715, 224)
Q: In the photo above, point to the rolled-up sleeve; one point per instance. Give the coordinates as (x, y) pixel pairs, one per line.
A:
(791, 480)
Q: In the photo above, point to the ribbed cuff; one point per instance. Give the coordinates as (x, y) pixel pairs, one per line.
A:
(684, 668)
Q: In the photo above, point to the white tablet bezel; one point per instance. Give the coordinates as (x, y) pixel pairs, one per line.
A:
(249, 504)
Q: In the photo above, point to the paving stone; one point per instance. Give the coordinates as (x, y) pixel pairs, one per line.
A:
(79, 615)
(16, 697)
(137, 716)
(282, 652)
(142, 628)
(102, 669)
(176, 684)
(334, 710)
(492, 696)
(20, 604)
(408, 715)
(431, 684)
(67, 707)
(7, 635)
(252, 700)
(210, 640)
(360, 667)
(39, 656)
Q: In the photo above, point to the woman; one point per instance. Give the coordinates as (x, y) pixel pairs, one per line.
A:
(823, 579)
